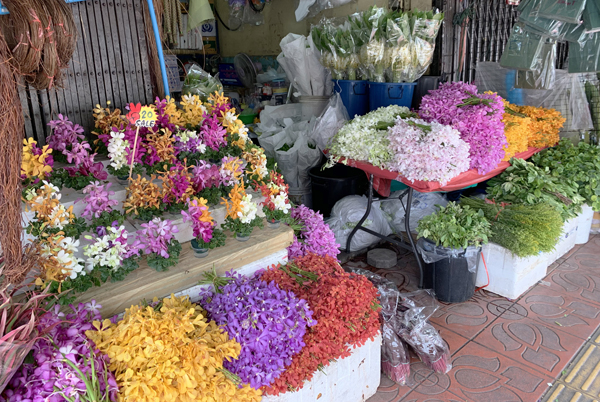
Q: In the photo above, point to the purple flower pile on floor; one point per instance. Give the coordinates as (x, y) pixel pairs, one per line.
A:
(268, 322)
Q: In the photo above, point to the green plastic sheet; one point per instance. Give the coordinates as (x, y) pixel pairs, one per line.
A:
(563, 10)
(584, 57)
(591, 16)
(523, 48)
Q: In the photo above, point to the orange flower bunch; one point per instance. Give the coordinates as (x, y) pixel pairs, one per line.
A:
(545, 125)
(105, 120)
(517, 130)
(45, 204)
(162, 142)
(173, 112)
(234, 205)
(192, 110)
(257, 164)
(142, 193)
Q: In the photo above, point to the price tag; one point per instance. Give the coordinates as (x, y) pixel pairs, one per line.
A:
(141, 116)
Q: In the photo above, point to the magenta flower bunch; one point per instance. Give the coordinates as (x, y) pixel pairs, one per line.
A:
(268, 322)
(97, 200)
(205, 175)
(163, 119)
(177, 184)
(202, 223)
(64, 133)
(53, 373)
(88, 167)
(213, 133)
(478, 118)
(314, 235)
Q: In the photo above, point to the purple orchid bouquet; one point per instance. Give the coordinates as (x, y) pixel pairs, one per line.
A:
(312, 236)
(98, 205)
(478, 118)
(157, 241)
(206, 181)
(64, 135)
(213, 133)
(268, 322)
(67, 366)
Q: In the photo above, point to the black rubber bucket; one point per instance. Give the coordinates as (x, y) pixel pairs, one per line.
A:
(449, 277)
(332, 184)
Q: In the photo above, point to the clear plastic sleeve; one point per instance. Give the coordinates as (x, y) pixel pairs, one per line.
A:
(389, 296)
(523, 48)
(425, 28)
(544, 74)
(432, 253)
(199, 82)
(330, 122)
(561, 10)
(584, 56)
(395, 357)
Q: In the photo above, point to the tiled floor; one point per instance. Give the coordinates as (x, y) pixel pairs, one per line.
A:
(508, 350)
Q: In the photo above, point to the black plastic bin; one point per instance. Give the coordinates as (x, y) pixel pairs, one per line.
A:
(332, 184)
(449, 277)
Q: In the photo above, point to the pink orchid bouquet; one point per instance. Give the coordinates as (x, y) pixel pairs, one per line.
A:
(478, 118)
(203, 225)
(64, 135)
(206, 181)
(313, 236)
(99, 205)
(157, 241)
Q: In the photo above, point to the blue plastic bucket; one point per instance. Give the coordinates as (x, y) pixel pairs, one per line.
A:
(354, 94)
(385, 94)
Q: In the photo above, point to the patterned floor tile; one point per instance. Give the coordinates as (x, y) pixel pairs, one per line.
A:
(532, 343)
(444, 396)
(389, 391)
(454, 341)
(560, 311)
(572, 279)
(479, 374)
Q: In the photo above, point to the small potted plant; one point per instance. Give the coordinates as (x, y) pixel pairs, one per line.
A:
(157, 241)
(276, 205)
(119, 167)
(450, 244)
(144, 199)
(241, 216)
(206, 236)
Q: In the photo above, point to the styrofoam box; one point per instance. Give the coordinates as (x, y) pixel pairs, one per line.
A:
(511, 276)
(352, 379)
(585, 225)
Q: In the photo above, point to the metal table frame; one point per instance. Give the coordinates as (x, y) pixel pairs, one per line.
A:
(411, 246)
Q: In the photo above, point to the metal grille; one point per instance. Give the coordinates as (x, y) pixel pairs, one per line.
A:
(110, 63)
(592, 92)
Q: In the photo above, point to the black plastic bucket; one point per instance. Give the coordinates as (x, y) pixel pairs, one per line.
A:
(332, 184)
(450, 277)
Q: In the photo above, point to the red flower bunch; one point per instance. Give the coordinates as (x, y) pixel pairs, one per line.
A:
(344, 305)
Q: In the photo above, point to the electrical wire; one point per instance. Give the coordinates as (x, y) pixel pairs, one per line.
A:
(253, 6)
(223, 23)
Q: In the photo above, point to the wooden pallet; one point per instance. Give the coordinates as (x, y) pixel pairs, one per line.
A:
(145, 283)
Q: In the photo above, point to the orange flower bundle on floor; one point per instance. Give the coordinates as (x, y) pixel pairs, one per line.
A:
(346, 309)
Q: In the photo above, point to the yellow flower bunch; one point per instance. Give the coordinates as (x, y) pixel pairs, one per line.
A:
(216, 100)
(192, 110)
(173, 112)
(162, 142)
(257, 163)
(517, 130)
(545, 125)
(234, 205)
(171, 353)
(45, 204)
(35, 165)
(142, 193)
(105, 120)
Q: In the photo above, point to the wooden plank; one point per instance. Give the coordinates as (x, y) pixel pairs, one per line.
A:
(146, 283)
(99, 52)
(106, 37)
(140, 20)
(22, 89)
(136, 80)
(114, 26)
(46, 115)
(80, 87)
(36, 115)
(125, 49)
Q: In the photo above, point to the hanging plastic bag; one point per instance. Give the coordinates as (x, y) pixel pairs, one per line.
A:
(346, 214)
(529, 14)
(591, 17)
(523, 48)
(199, 82)
(544, 74)
(561, 10)
(585, 57)
(329, 123)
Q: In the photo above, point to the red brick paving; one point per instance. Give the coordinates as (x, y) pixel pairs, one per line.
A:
(504, 350)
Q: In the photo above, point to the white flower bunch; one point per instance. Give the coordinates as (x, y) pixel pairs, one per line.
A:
(59, 216)
(107, 250)
(230, 118)
(249, 209)
(281, 204)
(117, 148)
(65, 255)
(360, 139)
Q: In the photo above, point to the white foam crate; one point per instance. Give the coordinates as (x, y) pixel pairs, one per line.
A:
(511, 276)
(585, 225)
(352, 379)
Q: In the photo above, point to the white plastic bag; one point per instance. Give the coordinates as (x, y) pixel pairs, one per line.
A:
(346, 214)
(423, 204)
(330, 122)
